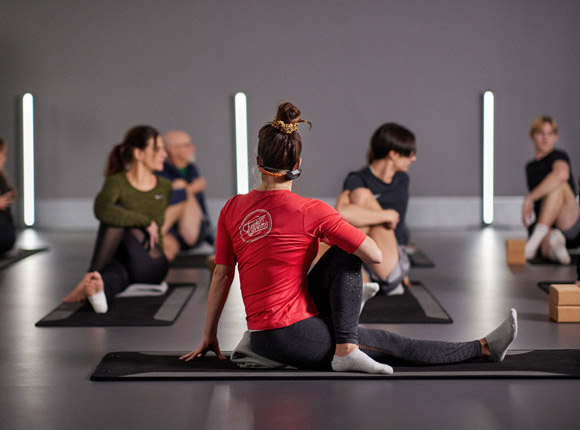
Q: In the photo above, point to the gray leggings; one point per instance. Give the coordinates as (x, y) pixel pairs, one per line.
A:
(335, 285)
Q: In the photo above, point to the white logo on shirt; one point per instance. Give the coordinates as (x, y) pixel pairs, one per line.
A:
(256, 225)
(158, 196)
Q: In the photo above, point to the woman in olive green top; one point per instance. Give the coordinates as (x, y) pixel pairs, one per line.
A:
(130, 207)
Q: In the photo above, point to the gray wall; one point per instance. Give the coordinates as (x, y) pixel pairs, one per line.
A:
(100, 67)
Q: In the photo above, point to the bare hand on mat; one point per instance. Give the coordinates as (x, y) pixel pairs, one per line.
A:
(207, 344)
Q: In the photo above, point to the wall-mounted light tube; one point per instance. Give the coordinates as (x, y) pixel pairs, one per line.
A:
(240, 107)
(488, 144)
(28, 159)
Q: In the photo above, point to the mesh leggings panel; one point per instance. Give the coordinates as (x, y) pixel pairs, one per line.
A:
(124, 256)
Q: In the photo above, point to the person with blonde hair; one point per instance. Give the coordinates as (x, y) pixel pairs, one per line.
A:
(550, 211)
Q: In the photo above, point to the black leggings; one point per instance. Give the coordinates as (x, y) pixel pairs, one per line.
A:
(335, 285)
(123, 256)
(7, 233)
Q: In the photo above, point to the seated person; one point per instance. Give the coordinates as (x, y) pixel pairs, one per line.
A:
(187, 223)
(309, 320)
(375, 201)
(550, 211)
(130, 207)
(7, 199)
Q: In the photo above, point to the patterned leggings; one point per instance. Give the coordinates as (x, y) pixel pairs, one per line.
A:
(335, 285)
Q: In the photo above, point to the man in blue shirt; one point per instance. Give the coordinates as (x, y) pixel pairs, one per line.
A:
(186, 223)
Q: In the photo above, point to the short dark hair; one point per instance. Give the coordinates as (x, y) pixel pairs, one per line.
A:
(391, 137)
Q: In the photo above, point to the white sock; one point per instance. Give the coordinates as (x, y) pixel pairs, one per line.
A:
(99, 302)
(358, 361)
(540, 231)
(558, 251)
(502, 337)
(369, 289)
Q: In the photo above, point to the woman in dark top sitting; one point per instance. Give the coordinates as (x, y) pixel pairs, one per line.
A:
(375, 200)
(7, 199)
(130, 207)
(550, 211)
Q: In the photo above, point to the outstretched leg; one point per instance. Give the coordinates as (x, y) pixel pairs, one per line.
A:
(386, 346)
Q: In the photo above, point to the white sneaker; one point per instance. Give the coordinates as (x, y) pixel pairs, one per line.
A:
(558, 251)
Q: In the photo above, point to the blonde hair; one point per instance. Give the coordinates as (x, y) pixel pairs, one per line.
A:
(537, 124)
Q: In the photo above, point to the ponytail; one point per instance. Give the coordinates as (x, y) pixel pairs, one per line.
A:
(116, 160)
(121, 156)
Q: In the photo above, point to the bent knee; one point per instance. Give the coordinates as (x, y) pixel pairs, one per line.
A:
(360, 196)
(563, 189)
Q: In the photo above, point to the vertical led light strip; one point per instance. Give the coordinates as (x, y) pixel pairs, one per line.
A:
(28, 158)
(488, 143)
(240, 108)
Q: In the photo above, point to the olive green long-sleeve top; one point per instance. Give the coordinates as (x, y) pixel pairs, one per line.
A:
(119, 204)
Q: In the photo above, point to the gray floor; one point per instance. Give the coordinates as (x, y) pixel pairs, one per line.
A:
(44, 373)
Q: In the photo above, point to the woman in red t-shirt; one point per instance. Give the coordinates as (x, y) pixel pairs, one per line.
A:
(300, 318)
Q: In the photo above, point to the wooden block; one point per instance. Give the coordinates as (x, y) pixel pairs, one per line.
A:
(516, 260)
(515, 251)
(517, 246)
(565, 294)
(564, 313)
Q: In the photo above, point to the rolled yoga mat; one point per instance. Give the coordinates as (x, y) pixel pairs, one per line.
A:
(518, 364)
(415, 305)
(15, 255)
(126, 311)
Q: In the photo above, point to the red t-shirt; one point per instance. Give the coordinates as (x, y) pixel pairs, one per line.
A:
(273, 236)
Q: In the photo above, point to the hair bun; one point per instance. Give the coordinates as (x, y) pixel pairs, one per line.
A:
(288, 113)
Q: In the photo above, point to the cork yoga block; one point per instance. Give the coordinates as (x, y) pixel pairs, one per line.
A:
(565, 302)
(515, 251)
(565, 294)
(564, 313)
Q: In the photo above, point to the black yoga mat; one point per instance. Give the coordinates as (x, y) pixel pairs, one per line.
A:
(518, 364)
(545, 285)
(540, 260)
(415, 305)
(126, 311)
(419, 259)
(15, 255)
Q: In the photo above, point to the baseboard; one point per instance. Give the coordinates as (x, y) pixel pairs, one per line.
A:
(424, 212)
